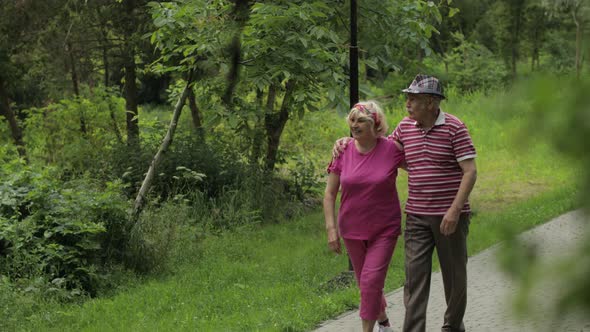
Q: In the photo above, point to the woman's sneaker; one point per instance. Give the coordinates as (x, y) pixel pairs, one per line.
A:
(385, 328)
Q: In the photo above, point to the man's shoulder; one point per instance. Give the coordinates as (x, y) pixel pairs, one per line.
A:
(452, 119)
(406, 121)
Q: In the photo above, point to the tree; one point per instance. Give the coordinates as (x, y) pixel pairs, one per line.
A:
(515, 14)
(187, 36)
(395, 36)
(536, 25)
(8, 114)
(579, 10)
(128, 26)
(17, 33)
(239, 15)
(147, 182)
(174, 58)
(293, 53)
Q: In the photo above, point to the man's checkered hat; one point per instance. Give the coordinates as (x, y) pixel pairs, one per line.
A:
(425, 84)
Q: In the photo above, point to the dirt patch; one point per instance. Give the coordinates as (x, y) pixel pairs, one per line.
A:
(495, 197)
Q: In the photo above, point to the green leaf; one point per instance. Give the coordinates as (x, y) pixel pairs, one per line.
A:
(453, 11)
(161, 21)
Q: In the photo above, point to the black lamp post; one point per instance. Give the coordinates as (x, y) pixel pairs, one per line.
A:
(354, 69)
(354, 56)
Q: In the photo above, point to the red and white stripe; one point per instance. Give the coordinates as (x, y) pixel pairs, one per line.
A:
(433, 160)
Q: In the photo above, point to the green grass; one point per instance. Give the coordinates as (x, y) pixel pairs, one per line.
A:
(266, 279)
(272, 277)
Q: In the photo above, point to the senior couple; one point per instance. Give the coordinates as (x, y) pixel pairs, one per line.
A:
(436, 150)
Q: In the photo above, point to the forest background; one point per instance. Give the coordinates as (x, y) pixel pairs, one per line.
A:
(91, 91)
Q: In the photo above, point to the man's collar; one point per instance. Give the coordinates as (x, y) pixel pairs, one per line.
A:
(440, 119)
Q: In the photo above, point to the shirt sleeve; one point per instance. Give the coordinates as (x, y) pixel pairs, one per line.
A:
(397, 134)
(463, 145)
(397, 155)
(335, 165)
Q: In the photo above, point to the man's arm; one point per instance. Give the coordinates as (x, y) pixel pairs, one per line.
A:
(340, 145)
(451, 218)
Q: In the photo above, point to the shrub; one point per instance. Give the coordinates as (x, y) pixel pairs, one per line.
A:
(76, 134)
(62, 232)
(470, 67)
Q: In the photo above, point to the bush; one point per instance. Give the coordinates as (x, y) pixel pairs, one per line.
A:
(62, 232)
(189, 166)
(470, 67)
(76, 134)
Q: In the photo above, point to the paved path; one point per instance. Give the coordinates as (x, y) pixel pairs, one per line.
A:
(489, 290)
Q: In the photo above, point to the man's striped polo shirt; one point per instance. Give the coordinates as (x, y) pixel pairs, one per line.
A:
(433, 158)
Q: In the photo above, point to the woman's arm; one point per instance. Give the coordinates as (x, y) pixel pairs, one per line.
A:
(403, 165)
(329, 215)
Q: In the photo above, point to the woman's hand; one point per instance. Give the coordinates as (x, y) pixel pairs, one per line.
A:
(340, 146)
(334, 241)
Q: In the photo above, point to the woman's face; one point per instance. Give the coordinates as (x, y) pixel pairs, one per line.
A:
(361, 127)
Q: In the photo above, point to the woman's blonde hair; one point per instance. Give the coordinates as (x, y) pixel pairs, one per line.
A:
(371, 111)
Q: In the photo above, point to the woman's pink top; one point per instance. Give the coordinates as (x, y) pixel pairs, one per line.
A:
(369, 202)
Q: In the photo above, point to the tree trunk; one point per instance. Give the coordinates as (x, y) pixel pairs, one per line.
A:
(536, 59)
(241, 13)
(196, 114)
(131, 97)
(258, 135)
(147, 182)
(130, 87)
(517, 10)
(353, 59)
(76, 84)
(114, 122)
(578, 43)
(106, 77)
(514, 57)
(269, 111)
(275, 123)
(15, 130)
(105, 57)
(104, 45)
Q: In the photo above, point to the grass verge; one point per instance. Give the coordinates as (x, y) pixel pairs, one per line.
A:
(265, 279)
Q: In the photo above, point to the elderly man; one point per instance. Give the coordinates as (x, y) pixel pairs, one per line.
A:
(440, 159)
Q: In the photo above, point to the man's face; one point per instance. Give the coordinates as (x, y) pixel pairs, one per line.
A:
(418, 106)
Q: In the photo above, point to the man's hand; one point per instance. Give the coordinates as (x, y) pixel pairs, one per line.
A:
(451, 218)
(449, 222)
(340, 146)
(334, 241)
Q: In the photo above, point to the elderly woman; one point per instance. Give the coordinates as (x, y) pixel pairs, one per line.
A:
(369, 217)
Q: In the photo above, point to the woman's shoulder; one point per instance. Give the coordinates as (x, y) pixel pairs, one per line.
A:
(390, 145)
(387, 141)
